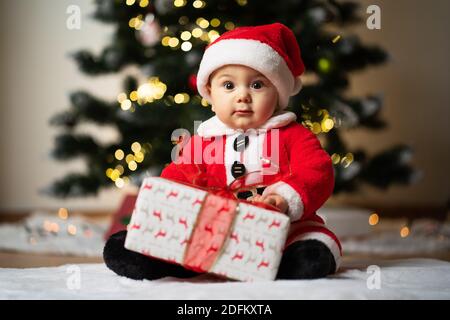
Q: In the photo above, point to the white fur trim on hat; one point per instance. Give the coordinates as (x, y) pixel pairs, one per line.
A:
(253, 54)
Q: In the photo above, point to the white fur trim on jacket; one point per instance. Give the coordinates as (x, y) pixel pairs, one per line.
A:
(214, 127)
(253, 54)
(294, 200)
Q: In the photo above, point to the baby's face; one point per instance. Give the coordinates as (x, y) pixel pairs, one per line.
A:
(242, 97)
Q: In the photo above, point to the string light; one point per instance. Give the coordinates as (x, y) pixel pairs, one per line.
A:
(150, 91)
(132, 165)
(327, 125)
(183, 20)
(63, 213)
(126, 104)
(205, 37)
(71, 229)
(119, 183)
(121, 97)
(324, 65)
(404, 232)
(179, 3)
(202, 23)
(165, 41)
(133, 96)
(181, 98)
(173, 42)
(374, 219)
(197, 32)
(136, 147)
(242, 2)
(199, 4)
(213, 35)
(120, 169)
(215, 22)
(108, 172)
(130, 2)
(47, 226)
(336, 39)
(229, 25)
(138, 157)
(335, 158)
(143, 3)
(186, 46)
(204, 103)
(119, 154)
(115, 174)
(185, 35)
(136, 22)
(347, 160)
(129, 158)
(316, 128)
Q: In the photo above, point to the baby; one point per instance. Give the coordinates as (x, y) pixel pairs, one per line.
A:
(248, 75)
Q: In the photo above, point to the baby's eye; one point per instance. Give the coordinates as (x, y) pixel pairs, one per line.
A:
(228, 85)
(257, 85)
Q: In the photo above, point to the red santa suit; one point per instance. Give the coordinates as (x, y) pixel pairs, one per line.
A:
(299, 170)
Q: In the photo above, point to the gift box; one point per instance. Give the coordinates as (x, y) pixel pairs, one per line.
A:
(207, 231)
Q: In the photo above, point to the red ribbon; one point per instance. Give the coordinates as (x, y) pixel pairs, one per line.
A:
(214, 221)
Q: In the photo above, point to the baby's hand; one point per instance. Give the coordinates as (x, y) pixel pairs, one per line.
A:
(272, 199)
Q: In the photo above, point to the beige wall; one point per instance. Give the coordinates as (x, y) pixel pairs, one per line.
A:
(417, 101)
(37, 75)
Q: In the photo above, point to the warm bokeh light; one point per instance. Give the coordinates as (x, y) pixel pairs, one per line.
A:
(63, 213)
(132, 165)
(404, 232)
(179, 3)
(335, 158)
(136, 147)
(374, 219)
(71, 229)
(186, 46)
(119, 154)
(347, 160)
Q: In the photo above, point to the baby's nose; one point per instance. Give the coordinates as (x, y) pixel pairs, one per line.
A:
(244, 96)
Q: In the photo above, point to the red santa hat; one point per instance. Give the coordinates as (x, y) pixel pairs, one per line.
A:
(270, 49)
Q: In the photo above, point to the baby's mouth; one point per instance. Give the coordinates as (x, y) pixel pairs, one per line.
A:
(243, 112)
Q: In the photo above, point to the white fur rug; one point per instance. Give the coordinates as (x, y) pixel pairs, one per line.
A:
(401, 279)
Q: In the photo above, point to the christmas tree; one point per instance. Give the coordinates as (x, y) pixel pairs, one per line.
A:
(165, 39)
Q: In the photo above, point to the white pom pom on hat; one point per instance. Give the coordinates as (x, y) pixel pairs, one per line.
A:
(271, 49)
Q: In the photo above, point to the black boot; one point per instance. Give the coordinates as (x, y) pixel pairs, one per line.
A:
(136, 266)
(307, 259)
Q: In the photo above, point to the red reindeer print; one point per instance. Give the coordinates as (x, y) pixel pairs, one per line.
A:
(197, 201)
(157, 214)
(264, 264)
(161, 233)
(234, 236)
(172, 194)
(185, 241)
(135, 226)
(275, 223)
(183, 221)
(238, 255)
(249, 216)
(212, 248)
(147, 186)
(260, 244)
(208, 228)
(225, 208)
